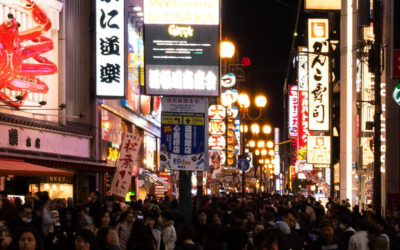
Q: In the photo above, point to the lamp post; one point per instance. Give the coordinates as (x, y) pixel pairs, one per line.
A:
(244, 104)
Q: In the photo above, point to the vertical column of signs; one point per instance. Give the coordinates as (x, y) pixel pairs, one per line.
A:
(216, 139)
(110, 48)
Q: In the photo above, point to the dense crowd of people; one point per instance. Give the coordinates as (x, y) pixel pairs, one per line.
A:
(226, 222)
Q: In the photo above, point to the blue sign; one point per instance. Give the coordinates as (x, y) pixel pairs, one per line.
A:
(243, 165)
(182, 137)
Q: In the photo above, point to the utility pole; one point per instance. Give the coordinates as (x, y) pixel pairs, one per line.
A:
(375, 65)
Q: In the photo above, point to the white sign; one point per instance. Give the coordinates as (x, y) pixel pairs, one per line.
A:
(302, 69)
(20, 138)
(367, 153)
(183, 104)
(110, 48)
(304, 166)
(367, 91)
(228, 80)
(277, 160)
(323, 4)
(180, 80)
(293, 111)
(128, 155)
(318, 74)
(201, 12)
(319, 149)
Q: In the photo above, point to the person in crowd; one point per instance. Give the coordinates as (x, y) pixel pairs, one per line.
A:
(359, 241)
(103, 219)
(85, 220)
(237, 239)
(23, 221)
(378, 239)
(107, 239)
(85, 240)
(124, 228)
(29, 239)
(186, 235)
(215, 237)
(48, 219)
(168, 231)
(70, 226)
(179, 220)
(150, 221)
(345, 224)
(327, 239)
(5, 237)
(201, 225)
(94, 204)
(269, 239)
(140, 238)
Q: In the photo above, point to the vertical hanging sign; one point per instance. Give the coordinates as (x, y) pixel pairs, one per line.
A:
(110, 48)
(128, 155)
(318, 74)
(293, 111)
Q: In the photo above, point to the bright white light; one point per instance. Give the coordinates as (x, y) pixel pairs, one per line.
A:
(349, 101)
(137, 8)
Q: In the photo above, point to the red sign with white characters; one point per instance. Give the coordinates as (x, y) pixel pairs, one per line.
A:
(303, 123)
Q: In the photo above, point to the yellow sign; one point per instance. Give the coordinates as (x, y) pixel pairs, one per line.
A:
(180, 31)
(193, 120)
(171, 120)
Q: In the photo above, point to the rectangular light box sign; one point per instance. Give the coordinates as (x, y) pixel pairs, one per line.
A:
(110, 48)
(318, 74)
(319, 149)
(293, 111)
(323, 4)
(181, 47)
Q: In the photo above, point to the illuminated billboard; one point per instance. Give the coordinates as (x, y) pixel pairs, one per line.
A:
(181, 47)
(110, 49)
(319, 149)
(293, 111)
(323, 4)
(318, 74)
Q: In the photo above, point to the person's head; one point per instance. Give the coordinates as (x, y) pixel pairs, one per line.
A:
(25, 213)
(326, 230)
(29, 240)
(94, 196)
(258, 227)
(186, 232)
(127, 216)
(237, 239)
(106, 236)
(85, 240)
(103, 219)
(250, 216)
(202, 217)
(149, 220)
(109, 202)
(290, 217)
(166, 216)
(217, 218)
(267, 239)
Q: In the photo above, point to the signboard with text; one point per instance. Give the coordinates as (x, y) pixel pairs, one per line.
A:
(319, 149)
(183, 134)
(110, 48)
(128, 155)
(293, 111)
(318, 74)
(181, 47)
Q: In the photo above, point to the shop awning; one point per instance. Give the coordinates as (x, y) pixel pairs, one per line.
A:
(22, 168)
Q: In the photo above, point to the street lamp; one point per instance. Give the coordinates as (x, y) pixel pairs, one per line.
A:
(244, 104)
(227, 49)
(270, 144)
(267, 129)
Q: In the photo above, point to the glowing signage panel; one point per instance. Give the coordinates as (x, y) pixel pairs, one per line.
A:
(181, 47)
(110, 48)
(293, 111)
(323, 4)
(318, 74)
(319, 149)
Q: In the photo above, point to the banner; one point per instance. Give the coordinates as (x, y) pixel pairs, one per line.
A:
(183, 134)
(128, 155)
(318, 74)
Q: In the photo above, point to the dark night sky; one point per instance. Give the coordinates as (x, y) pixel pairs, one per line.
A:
(262, 30)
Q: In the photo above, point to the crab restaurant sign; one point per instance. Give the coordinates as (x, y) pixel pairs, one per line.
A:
(110, 48)
(318, 74)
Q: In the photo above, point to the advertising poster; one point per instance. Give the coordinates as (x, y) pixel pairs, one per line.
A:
(293, 111)
(182, 47)
(128, 155)
(163, 185)
(183, 134)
